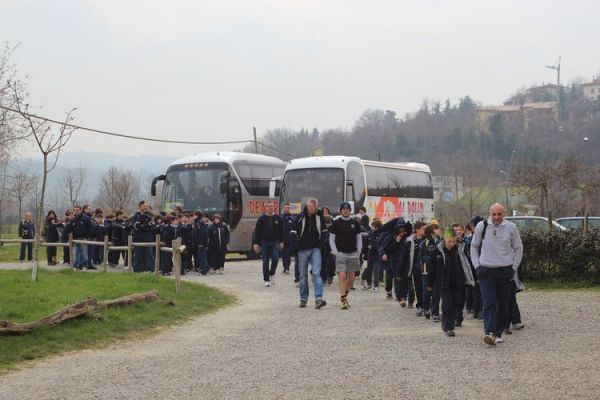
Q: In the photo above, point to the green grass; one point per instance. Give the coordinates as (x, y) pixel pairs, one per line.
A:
(9, 252)
(563, 286)
(22, 301)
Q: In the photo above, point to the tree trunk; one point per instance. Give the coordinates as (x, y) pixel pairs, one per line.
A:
(40, 221)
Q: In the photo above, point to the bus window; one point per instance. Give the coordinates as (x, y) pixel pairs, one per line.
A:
(234, 202)
(256, 177)
(325, 184)
(355, 173)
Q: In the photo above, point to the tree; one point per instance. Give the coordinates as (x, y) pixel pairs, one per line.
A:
(119, 189)
(50, 139)
(73, 180)
(23, 184)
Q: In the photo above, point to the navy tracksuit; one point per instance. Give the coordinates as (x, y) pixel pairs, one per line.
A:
(186, 232)
(218, 239)
(446, 268)
(26, 231)
(200, 237)
(51, 235)
(289, 242)
(168, 233)
(118, 237)
(143, 231)
(431, 300)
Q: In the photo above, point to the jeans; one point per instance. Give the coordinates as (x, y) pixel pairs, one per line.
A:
(29, 247)
(200, 261)
(270, 252)
(496, 286)
(80, 256)
(143, 259)
(314, 257)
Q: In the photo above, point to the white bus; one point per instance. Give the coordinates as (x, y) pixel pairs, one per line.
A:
(386, 190)
(235, 185)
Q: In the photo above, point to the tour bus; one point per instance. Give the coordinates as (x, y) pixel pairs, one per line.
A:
(386, 190)
(235, 185)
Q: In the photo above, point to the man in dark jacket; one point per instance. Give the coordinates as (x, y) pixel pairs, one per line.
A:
(26, 231)
(143, 232)
(200, 242)
(309, 228)
(118, 238)
(218, 240)
(80, 226)
(268, 241)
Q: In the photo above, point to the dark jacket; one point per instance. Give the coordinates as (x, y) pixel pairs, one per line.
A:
(168, 233)
(288, 227)
(309, 229)
(200, 233)
(81, 226)
(446, 267)
(51, 233)
(268, 228)
(143, 227)
(118, 232)
(218, 236)
(26, 230)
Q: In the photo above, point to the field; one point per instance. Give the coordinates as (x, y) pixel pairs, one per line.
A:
(22, 301)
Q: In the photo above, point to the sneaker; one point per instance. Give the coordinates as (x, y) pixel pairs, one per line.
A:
(499, 340)
(389, 295)
(302, 303)
(403, 303)
(286, 271)
(221, 271)
(363, 282)
(345, 304)
(267, 284)
(376, 289)
(329, 281)
(450, 334)
(420, 313)
(518, 326)
(320, 303)
(489, 340)
(508, 331)
(436, 318)
(458, 324)
(365, 288)
(427, 314)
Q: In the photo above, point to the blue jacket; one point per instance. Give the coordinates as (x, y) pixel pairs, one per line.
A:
(81, 226)
(288, 227)
(26, 230)
(143, 227)
(218, 236)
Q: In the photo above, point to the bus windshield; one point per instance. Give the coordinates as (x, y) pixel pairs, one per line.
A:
(194, 187)
(324, 184)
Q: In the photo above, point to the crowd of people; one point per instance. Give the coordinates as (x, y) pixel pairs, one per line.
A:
(206, 238)
(441, 273)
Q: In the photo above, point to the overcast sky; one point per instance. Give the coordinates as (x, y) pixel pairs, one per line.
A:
(210, 70)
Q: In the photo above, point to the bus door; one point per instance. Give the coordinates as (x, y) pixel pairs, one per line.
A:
(230, 188)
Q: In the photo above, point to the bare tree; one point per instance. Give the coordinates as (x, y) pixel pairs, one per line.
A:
(73, 180)
(474, 184)
(50, 139)
(22, 184)
(586, 180)
(119, 189)
(4, 193)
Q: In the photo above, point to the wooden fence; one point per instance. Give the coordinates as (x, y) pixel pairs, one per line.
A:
(175, 249)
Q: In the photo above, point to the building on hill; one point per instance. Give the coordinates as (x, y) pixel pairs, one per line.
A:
(591, 90)
(539, 116)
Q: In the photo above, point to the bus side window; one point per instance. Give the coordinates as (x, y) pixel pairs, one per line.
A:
(356, 175)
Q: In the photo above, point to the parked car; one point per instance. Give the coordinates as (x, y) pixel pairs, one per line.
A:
(531, 222)
(577, 222)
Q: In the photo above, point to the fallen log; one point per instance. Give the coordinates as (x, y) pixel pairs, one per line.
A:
(75, 311)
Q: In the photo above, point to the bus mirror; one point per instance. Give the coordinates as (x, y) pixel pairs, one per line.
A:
(274, 188)
(153, 186)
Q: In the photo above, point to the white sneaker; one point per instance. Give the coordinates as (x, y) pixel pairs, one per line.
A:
(518, 326)
(499, 340)
(489, 339)
(376, 289)
(267, 284)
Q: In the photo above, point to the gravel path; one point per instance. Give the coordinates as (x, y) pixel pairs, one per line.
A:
(269, 348)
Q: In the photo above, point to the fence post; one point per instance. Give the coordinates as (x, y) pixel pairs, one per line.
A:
(105, 254)
(157, 254)
(71, 253)
(177, 264)
(129, 252)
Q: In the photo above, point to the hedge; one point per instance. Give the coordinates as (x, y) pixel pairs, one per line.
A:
(561, 256)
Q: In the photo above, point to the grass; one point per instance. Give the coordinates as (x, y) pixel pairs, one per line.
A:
(563, 286)
(22, 301)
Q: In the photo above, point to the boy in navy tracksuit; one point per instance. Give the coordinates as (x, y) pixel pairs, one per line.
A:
(26, 231)
(200, 235)
(218, 239)
(373, 257)
(416, 278)
(431, 299)
(186, 232)
(327, 259)
(447, 267)
(168, 233)
(288, 243)
(395, 254)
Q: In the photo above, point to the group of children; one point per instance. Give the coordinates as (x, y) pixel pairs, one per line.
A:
(205, 238)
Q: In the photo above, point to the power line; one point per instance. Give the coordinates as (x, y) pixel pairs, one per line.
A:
(103, 132)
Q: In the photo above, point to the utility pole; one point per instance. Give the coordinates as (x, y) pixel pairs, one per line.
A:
(255, 140)
(557, 69)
